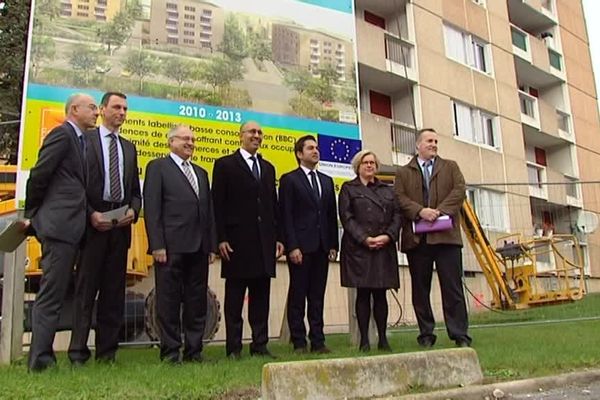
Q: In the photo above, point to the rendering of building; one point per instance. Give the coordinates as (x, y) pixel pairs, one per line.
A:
(510, 89)
(189, 23)
(293, 45)
(92, 10)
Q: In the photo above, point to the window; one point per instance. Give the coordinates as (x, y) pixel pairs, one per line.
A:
(555, 59)
(475, 125)
(490, 208)
(467, 49)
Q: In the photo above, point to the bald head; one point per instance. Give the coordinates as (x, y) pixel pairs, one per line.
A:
(81, 109)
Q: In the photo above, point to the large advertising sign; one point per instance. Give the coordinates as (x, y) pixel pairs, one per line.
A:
(290, 65)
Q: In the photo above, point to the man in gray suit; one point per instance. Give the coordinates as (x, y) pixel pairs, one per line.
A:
(55, 203)
(182, 238)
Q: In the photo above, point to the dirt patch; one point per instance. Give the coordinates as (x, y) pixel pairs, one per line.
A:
(247, 393)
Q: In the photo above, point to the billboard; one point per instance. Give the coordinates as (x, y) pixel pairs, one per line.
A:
(212, 64)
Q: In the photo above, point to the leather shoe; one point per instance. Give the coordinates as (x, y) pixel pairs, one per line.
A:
(196, 359)
(426, 342)
(40, 367)
(462, 343)
(236, 355)
(300, 350)
(385, 346)
(262, 353)
(321, 350)
(365, 348)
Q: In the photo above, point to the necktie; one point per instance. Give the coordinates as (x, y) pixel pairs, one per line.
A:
(82, 144)
(187, 170)
(313, 183)
(113, 169)
(426, 173)
(255, 168)
(426, 178)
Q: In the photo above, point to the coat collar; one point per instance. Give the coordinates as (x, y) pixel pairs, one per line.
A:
(437, 165)
(367, 191)
(244, 165)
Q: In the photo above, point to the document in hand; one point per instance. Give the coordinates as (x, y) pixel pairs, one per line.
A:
(115, 214)
(12, 236)
(442, 223)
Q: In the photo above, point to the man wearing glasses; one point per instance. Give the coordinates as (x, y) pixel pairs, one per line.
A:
(245, 202)
(55, 203)
(182, 240)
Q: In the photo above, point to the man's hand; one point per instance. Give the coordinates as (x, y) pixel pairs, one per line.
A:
(23, 225)
(224, 250)
(99, 223)
(126, 219)
(211, 257)
(371, 243)
(160, 256)
(295, 256)
(382, 240)
(279, 249)
(429, 214)
(332, 255)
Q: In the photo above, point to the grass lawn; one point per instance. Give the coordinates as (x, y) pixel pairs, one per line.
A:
(509, 351)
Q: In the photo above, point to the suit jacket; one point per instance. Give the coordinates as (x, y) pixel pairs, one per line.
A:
(308, 222)
(369, 211)
(246, 215)
(55, 192)
(447, 192)
(176, 219)
(95, 183)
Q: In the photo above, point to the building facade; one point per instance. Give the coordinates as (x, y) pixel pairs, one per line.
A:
(509, 87)
(188, 23)
(90, 10)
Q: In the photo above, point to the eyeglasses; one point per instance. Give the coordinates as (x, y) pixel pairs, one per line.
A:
(368, 163)
(185, 138)
(253, 131)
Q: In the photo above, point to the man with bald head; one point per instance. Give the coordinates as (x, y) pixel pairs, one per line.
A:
(247, 229)
(180, 224)
(56, 204)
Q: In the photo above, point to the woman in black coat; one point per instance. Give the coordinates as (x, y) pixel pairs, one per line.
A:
(369, 259)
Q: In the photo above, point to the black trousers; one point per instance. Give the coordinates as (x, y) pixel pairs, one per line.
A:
(259, 290)
(57, 263)
(307, 285)
(448, 263)
(101, 271)
(181, 281)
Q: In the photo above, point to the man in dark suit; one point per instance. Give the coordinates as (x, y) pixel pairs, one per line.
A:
(246, 211)
(427, 187)
(55, 203)
(182, 239)
(113, 182)
(309, 216)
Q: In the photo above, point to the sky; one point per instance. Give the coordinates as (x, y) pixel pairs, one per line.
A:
(592, 12)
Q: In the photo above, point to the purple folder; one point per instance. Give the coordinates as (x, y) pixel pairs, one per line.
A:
(442, 223)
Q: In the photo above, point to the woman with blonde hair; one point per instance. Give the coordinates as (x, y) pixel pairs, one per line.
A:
(369, 259)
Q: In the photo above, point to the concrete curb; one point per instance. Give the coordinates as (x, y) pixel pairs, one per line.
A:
(512, 387)
(368, 377)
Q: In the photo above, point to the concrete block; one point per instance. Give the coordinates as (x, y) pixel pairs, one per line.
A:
(367, 377)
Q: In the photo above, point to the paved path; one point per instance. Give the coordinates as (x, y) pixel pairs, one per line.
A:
(571, 392)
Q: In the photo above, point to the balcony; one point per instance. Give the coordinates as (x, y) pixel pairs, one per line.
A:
(399, 57)
(563, 121)
(532, 15)
(537, 178)
(536, 63)
(404, 142)
(572, 191)
(530, 113)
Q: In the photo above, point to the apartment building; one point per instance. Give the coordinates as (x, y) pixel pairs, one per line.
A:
(294, 45)
(90, 10)
(509, 87)
(189, 23)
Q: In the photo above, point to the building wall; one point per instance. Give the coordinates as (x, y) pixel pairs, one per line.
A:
(91, 10)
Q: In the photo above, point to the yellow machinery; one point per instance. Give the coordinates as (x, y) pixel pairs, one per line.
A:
(511, 268)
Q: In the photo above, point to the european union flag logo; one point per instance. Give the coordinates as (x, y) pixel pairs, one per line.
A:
(338, 149)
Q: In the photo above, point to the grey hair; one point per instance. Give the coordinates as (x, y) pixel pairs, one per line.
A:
(358, 157)
(71, 99)
(172, 132)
